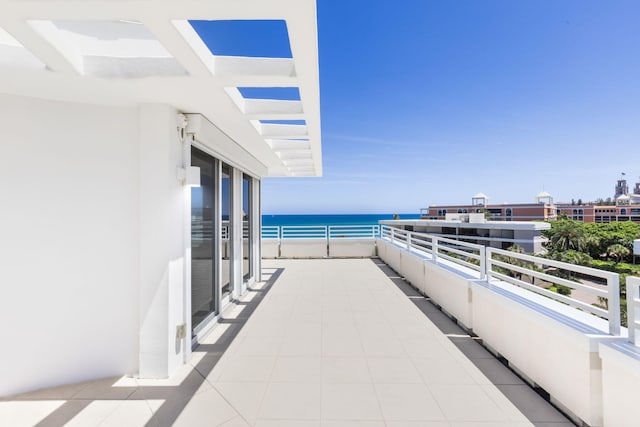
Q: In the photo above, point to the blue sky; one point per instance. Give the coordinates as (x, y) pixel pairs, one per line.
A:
(429, 102)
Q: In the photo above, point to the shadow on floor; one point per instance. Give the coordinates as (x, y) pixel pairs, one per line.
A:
(176, 398)
(531, 402)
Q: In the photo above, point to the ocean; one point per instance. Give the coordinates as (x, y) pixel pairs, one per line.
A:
(327, 219)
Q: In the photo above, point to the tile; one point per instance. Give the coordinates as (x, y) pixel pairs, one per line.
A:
(291, 401)
(302, 344)
(350, 402)
(381, 347)
(534, 407)
(244, 397)
(205, 409)
(498, 424)
(104, 389)
(341, 347)
(442, 371)
(27, 413)
(62, 415)
(351, 423)
(424, 348)
(236, 422)
(61, 392)
(408, 402)
(288, 423)
(258, 346)
(130, 413)
(94, 413)
(470, 348)
(418, 424)
(345, 370)
(496, 372)
(297, 369)
(192, 384)
(249, 369)
(393, 370)
(467, 403)
(206, 364)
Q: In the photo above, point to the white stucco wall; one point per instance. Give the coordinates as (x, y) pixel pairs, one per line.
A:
(69, 245)
(164, 208)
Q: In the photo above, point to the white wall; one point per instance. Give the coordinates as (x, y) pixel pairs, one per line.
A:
(163, 212)
(69, 242)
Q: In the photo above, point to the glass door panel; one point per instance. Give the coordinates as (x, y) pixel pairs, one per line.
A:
(247, 223)
(225, 247)
(202, 237)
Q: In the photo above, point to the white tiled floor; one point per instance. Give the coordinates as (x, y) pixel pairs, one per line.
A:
(333, 343)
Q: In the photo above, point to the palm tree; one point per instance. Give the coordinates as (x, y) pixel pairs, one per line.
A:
(618, 252)
(566, 234)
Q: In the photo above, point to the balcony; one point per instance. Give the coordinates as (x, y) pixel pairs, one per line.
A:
(355, 341)
(320, 342)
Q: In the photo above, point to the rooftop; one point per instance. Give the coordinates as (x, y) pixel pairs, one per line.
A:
(336, 342)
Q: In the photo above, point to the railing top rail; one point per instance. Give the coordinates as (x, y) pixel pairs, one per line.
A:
(559, 264)
(459, 243)
(319, 227)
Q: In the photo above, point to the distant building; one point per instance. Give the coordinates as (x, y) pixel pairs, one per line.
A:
(474, 228)
(625, 207)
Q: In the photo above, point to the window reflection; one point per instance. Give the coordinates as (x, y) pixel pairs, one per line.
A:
(225, 249)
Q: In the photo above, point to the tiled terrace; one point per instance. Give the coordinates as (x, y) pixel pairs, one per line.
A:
(325, 342)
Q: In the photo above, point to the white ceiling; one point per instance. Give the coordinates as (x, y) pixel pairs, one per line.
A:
(132, 52)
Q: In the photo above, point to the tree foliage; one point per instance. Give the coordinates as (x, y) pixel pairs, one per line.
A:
(594, 239)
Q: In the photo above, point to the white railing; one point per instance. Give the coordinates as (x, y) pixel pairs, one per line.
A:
(270, 232)
(320, 232)
(536, 267)
(511, 266)
(303, 232)
(468, 255)
(633, 309)
(353, 231)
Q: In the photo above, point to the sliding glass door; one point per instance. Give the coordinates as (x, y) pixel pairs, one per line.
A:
(226, 231)
(203, 253)
(247, 226)
(212, 243)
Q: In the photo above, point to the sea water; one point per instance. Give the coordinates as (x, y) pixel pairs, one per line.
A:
(327, 219)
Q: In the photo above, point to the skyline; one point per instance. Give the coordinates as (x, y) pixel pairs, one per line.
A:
(434, 102)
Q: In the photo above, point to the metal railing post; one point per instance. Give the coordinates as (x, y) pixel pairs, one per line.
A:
(434, 249)
(633, 300)
(409, 241)
(326, 236)
(393, 237)
(613, 286)
(483, 263)
(487, 264)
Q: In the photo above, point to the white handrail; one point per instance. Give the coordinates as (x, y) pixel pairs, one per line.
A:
(633, 309)
(320, 232)
(484, 260)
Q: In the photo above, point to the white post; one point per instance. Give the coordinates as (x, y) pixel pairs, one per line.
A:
(613, 286)
(633, 299)
(434, 249)
(487, 262)
(483, 263)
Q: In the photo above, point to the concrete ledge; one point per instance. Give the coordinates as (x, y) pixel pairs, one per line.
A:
(554, 346)
(303, 248)
(553, 355)
(620, 382)
(450, 291)
(270, 248)
(391, 255)
(352, 248)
